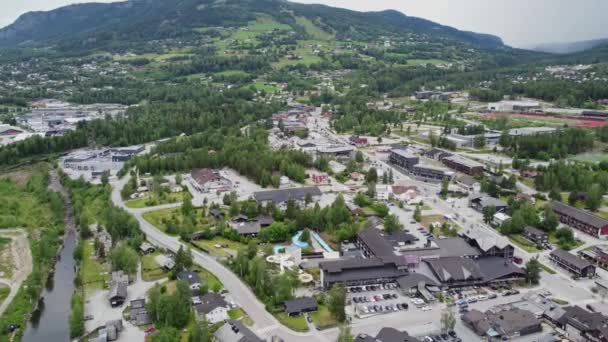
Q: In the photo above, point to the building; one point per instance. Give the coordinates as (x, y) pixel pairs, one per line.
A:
(118, 292)
(428, 172)
(459, 271)
(598, 255)
(192, 278)
(376, 243)
(165, 262)
(576, 265)
(235, 331)
(387, 335)
(212, 307)
(502, 324)
(358, 141)
(298, 306)
(499, 218)
(138, 313)
(526, 131)
(581, 220)
(464, 165)
(582, 325)
(146, 248)
(403, 159)
(481, 202)
(515, 106)
(356, 271)
(487, 243)
(284, 195)
(336, 151)
(208, 180)
(536, 235)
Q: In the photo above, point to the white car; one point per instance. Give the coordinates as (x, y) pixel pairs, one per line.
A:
(426, 308)
(482, 297)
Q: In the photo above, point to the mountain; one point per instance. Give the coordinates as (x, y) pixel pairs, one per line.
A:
(570, 47)
(98, 24)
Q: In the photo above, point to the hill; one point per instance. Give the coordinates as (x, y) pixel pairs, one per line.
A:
(570, 47)
(97, 25)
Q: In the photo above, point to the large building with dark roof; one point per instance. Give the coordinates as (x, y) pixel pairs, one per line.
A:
(358, 271)
(576, 265)
(387, 335)
(584, 325)
(458, 272)
(581, 220)
(403, 159)
(284, 195)
(502, 324)
(464, 165)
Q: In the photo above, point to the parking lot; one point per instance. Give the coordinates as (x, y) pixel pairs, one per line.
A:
(370, 300)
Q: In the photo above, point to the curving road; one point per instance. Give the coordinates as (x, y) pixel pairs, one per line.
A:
(265, 323)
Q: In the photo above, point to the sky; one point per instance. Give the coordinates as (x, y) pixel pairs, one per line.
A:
(520, 23)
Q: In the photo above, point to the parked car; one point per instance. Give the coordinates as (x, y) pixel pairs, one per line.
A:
(88, 317)
(493, 296)
(309, 319)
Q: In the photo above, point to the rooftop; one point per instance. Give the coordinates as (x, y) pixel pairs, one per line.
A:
(284, 195)
(580, 215)
(570, 258)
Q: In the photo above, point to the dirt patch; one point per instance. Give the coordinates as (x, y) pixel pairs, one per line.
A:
(20, 176)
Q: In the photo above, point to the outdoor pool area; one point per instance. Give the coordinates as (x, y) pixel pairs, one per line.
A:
(295, 241)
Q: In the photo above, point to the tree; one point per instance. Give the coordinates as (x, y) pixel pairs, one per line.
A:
(448, 320)
(371, 176)
(550, 219)
(479, 141)
(168, 334)
(124, 258)
(391, 176)
(417, 213)
(572, 198)
(305, 236)
(178, 179)
(594, 197)
(488, 214)
(359, 157)
(187, 207)
(445, 185)
(308, 198)
(533, 269)
(336, 303)
(565, 238)
(391, 223)
(555, 195)
(345, 334)
(183, 259)
(200, 332)
(371, 189)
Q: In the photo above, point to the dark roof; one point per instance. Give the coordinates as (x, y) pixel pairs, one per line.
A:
(584, 320)
(265, 220)
(240, 217)
(138, 304)
(494, 268)
(359, 269)
(534, 231)
(570, 258)
(284, 195)
(202, 176)
(118, 289)
(387, 335)
(190, 277)
(210, 302)
(236, 331)
(301, 304)
(455, 269)
(216, 213)
(506, 322)
(456, 246)
(382, 244)
(246, 228)
(579, 214)
(413, 279)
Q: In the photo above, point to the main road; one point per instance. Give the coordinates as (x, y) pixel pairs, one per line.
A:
(265, 323)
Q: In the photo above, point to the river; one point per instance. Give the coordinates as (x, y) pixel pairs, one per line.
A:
(49, 322)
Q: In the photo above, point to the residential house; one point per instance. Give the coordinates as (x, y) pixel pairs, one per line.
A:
(138, 313)
(480, 202)
(146, 248)
(212, 307)
(576, 265)
(582, 325)
(536, 235)
(282, 196)
(192, 278)
(298, 306)
(235, 331)
(118, 293)
(487, 243)
(581, 219)
(502, 324)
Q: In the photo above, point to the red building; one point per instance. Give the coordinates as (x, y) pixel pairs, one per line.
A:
(358, 141)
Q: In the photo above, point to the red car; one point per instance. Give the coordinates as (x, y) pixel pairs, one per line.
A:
(518, 260)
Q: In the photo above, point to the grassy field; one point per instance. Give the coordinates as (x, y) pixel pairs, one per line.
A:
(297, 323)
(153, 200)
(426, 221)
(313, 30)
(323, 318)
(592, 158)
(307, 59)
(6, 258)
(209, 246)
(416, 62)
(92, 270)
(524, 244)
(156, 57)
(241, 315)
(157, 218)
(4, 292)
(269, 88)
(209, 278)
(151, 270)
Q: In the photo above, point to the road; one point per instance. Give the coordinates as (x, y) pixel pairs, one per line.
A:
(265, 324)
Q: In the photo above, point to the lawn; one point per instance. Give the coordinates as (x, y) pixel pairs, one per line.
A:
(313, 30)
(151, 270)
(159, 217)
(209, 278)
(416, 62)
(547, 268)
(297, 323)
(93, 276)
(554, 241)
(426, 221)
(6, 258)
(4, 292)
(306, 59)
(228, 248)
(323, 318)
(593, 158)
(154, 200)
(269, 88)
(241, 315)
(524, 244)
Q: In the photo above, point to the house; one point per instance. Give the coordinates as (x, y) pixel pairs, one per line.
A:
(598, 255)
(336, 151)
(581, 220)
(208, 180)
(282, 196)
(582, 325)
(481, 202)
(165, 262)
(138, 313)
(358, 141)
(536, 235)
(499, 218)
(216, 213)
(320, 178)
(463, 165)
(235, 331)
(487, 243)
(118, 293)
(146, 248)
(192, 278)
(212, 307)
(298, 306)
(576, 265)
(387, 335)
(502, 324)
(252, 228)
